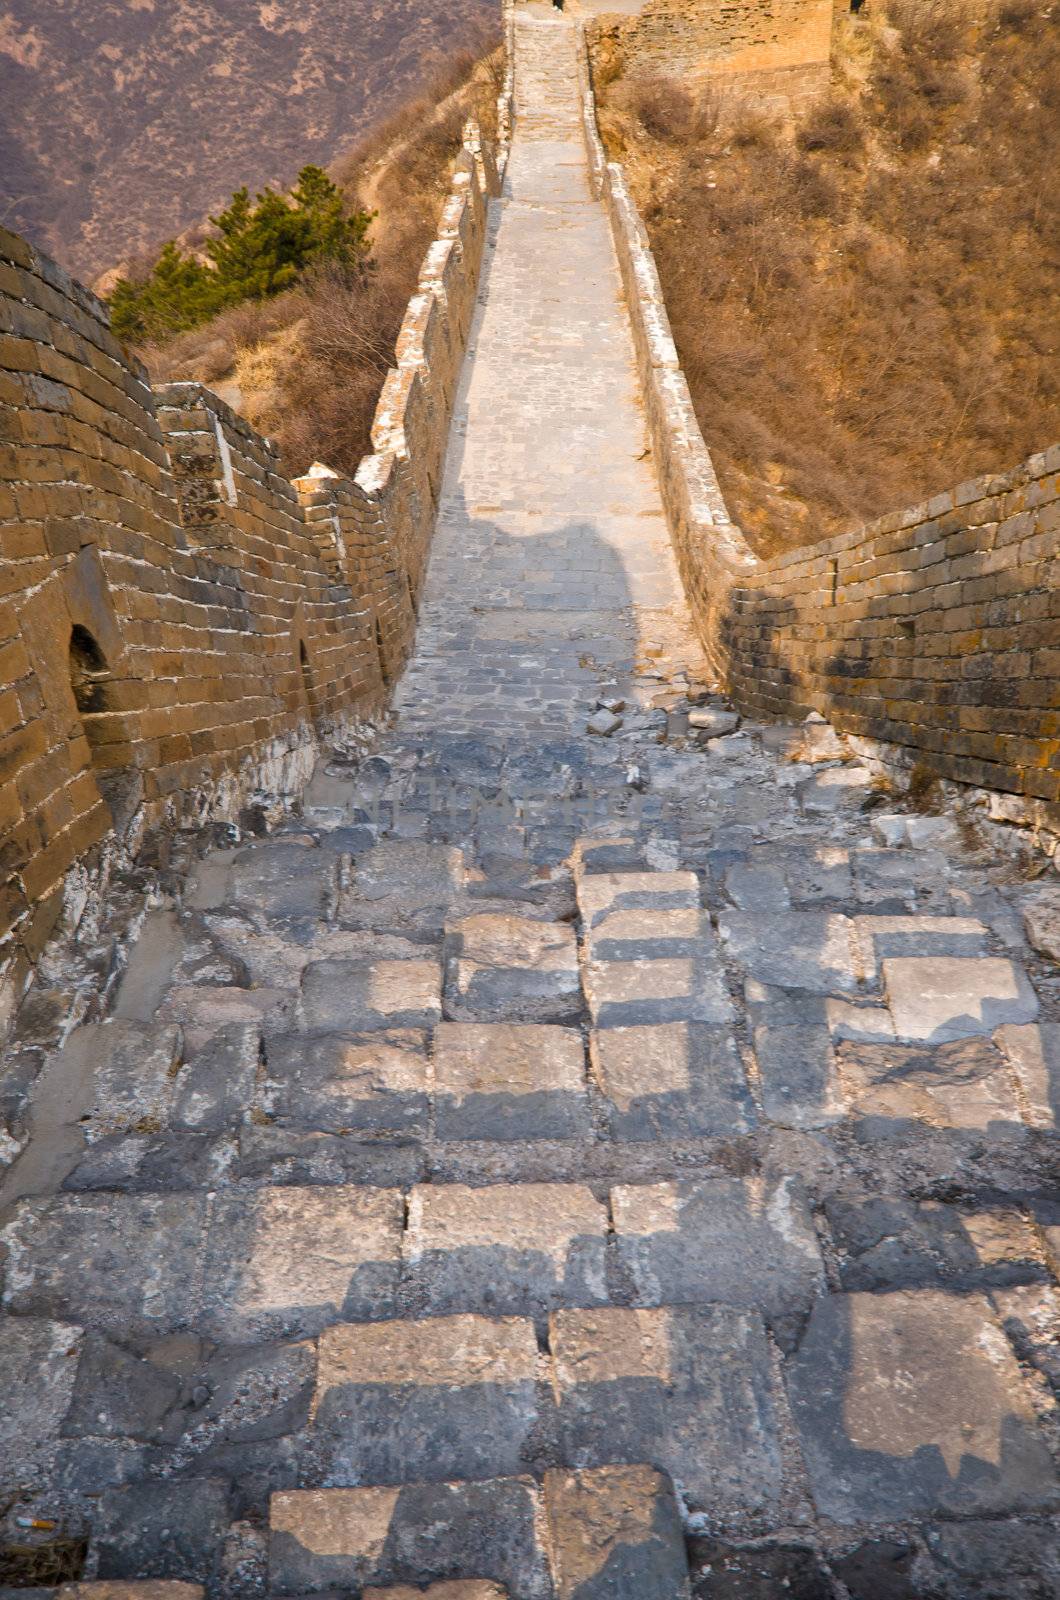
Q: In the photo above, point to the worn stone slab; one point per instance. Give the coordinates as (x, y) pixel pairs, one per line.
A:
(405, 886)
(889, 936)
(218, 1086)
(838, 789)
(911, 1404)
(285, 1261)
(813, 872)
(362, 996)
(722, 1240)
(672, 1080)
(941, 998)
(615, 1531)
(119, 1395)
(346, 1538)
(793, 1045)
(1032, 1050)
(133, 1066)
(511, 969)
(127, 1264)
(756, 887)
(38, 1369)
(283, 881)
(159, 1529)
(650, 935)
(601, 894)
(969, 1560)
(204, 1011)
(506, 1249)
(650, 992)
(257, 1393)
(276, 1154)
(509, 1081)
(430, 1400)
(963, 1084)
(813, 950)
(690, 1391)
(338, 1082)
(893, 1243)
(894, 877)
(1041, 923)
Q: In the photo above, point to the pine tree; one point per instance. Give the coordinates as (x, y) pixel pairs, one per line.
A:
(260, 249)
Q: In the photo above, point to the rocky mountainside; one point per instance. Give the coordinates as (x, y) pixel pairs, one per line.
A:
(126, 121)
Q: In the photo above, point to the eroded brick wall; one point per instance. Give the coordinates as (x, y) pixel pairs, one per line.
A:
(179, 621)
(934, 633)
(774, 48)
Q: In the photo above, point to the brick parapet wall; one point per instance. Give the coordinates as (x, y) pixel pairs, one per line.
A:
(932, 636)
(229, 615)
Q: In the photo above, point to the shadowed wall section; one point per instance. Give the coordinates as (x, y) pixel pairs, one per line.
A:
(178, 620)
(931, 633)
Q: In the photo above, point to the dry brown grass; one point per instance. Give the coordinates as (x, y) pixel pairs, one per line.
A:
(866, 301)
(307, 367)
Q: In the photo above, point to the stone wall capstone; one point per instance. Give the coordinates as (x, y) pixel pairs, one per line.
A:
(932, 635)
(179, 622)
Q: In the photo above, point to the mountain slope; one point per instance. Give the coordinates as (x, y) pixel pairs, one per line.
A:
(166, 106)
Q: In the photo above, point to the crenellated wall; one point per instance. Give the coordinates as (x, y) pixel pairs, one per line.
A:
(179, 622)
(933, 634)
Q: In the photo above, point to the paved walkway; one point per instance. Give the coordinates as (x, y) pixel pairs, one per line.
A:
(510, 1182)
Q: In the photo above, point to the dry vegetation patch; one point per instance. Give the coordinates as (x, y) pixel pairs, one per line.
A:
(864, 297)
(306, 367)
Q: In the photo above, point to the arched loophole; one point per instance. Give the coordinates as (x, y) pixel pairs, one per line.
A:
(307, 681)
(384, 670)
(90, 680)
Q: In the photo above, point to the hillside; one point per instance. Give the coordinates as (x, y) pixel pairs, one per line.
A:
(865, 298)
(169, 105)
(306, 366)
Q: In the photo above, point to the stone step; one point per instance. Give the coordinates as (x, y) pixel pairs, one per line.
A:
(671, 1080)
(578, 1536)
(511, 969)
(509, 1081)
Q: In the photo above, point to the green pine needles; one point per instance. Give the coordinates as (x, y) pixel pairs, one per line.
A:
(260, 248)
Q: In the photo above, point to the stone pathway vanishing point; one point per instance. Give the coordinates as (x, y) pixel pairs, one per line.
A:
(515, 1180)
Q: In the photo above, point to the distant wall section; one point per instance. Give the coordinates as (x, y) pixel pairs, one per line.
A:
(772, 49)
(931, 634)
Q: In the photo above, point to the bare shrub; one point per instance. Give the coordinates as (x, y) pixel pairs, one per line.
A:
(832, 125)
(663, 107)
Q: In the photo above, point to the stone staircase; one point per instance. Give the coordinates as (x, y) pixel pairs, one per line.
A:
(551, 1167)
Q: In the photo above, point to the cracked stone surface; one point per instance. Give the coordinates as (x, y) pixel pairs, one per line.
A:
(504, 1183)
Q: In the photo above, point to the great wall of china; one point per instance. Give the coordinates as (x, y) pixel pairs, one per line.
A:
(448, 1151)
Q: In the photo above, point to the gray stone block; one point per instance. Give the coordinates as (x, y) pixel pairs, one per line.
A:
(615, 1531)
(288, 1261)
(218, 1086)
(813, 950)
(910, 1405)
(688, 1390)
(722, 1240)
(509, 1081)
(651, 992)
(940, 998)
(162, 1530)
(671, 1081)
(363, 996)
(513, 1250)
(120, 1395)
(38, 1367)
(511, 969)
(348, 1538)
(431, 1400)
(125, 1264)
(340, 1082)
